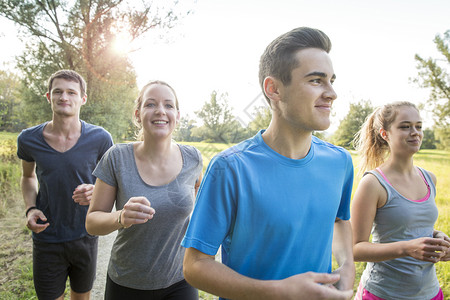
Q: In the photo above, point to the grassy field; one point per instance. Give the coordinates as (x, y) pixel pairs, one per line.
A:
(15, 248)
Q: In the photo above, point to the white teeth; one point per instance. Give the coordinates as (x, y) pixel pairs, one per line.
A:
(159, 122)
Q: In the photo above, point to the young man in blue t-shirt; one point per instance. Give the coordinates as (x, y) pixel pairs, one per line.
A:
(58, 158)
(278, 203)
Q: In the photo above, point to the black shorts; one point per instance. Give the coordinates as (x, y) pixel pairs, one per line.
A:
(178, 291)
(54, 262)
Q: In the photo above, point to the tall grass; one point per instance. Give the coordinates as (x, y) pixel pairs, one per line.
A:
(9, 171)
(438, 162)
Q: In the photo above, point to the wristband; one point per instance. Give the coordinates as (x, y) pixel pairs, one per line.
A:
(28, 210)
(119, 219)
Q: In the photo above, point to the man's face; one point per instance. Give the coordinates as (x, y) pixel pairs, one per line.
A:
(65, 97)
(305, 103)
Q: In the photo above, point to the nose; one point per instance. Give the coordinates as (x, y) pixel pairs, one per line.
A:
(330, 93)
(414, 130)
(64, 96)
(160, 109)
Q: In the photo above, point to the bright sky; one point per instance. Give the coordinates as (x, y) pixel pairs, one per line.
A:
(218, 48)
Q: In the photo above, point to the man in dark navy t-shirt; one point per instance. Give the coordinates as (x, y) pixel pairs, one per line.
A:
(58, 158)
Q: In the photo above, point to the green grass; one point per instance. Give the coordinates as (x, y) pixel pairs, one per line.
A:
(208, 150)
(438, 162)
(20, 285)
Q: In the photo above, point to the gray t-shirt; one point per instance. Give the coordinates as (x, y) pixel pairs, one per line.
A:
(401, 219)
(149, 256)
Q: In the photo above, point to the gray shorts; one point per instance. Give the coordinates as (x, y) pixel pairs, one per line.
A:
(54, 262)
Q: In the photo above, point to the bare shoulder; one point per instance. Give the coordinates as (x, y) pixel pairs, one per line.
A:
(370, 190)
(433, 177)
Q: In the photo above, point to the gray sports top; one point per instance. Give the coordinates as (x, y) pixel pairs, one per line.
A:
(149, 256)
(401, 219)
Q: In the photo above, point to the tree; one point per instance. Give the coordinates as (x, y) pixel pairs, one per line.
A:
(9, 102)
(433, 75)
(351, 123)
(261, 119)
(428, 141)
(80, 35)
(219, 124)
(183, 133)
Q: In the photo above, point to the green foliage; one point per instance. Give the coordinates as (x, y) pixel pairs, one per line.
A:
(81, 35)
(351, 123)
(428, 141)
(433, 74)
(10, 171)
(219, 123)
(261, 119)
(183, 133)
(9, 102)
(442, 135)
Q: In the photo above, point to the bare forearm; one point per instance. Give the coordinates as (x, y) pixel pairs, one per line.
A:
(203, 272)
(374, 252)
(102, 223)
(343, 252)
(342, 242)
(213, 277)
(29, 190)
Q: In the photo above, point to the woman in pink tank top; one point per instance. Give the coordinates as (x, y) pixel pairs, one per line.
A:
(387, 142)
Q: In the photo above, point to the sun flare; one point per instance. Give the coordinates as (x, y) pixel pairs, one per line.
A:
(122, 43)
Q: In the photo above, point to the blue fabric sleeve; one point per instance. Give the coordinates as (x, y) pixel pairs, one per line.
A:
(344, 207)
(217, 201)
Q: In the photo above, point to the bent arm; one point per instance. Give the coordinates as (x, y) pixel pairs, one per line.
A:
(203, 272)
(99, 219)
(368, 197)
(343, 252)
(366, 200)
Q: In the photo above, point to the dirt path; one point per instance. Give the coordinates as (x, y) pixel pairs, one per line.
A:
(104, 251)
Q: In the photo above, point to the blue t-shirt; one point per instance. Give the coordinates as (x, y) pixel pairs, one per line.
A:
(273, 216)
(59, 173)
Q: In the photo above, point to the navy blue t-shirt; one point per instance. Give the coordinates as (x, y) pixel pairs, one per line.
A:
(59, 173)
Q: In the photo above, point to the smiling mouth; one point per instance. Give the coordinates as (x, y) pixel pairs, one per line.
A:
(324, 107)
(160, 122)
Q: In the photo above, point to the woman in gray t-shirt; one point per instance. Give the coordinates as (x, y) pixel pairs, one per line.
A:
(152, 183)
(395, 202)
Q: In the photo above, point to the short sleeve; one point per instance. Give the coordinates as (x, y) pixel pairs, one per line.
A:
(105, 167)
(214, 210)
(21, 149)
(344, 207)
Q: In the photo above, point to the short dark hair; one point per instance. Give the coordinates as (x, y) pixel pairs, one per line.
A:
(70, 76)
(279, 58)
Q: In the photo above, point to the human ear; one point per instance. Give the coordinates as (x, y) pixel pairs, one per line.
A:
(178, 117)
(271, 88)
(137, 116)
(383, 134)
(47, 95)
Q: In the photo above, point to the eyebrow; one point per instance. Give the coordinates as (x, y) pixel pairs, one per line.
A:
(153, 99)
(60, 89)
(320, 74)
(408, 122)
